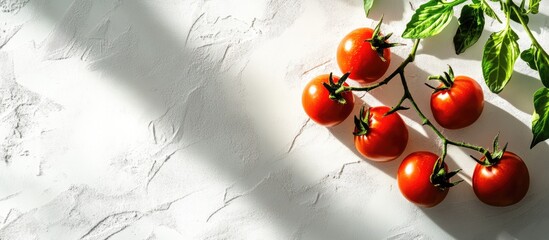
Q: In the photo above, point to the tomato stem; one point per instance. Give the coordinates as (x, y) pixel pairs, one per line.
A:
(335, 89)
(447, 80)
(409, 59)
(425, 121)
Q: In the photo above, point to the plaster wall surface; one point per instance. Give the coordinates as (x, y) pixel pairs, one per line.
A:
(182, 119)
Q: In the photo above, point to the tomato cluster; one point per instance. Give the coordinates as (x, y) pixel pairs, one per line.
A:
(381, 135)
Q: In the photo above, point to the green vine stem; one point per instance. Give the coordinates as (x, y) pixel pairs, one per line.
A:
(409, 59)
(425, 121)
(456, 2)
(528, 31)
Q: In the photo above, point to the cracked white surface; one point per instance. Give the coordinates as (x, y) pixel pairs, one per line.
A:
(182, 119)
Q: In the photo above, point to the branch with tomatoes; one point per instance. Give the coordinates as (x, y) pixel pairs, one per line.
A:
(500, 178)
(501, 50)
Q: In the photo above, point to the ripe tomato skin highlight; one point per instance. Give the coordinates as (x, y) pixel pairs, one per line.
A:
(413, 179)
(387, 136)
(502, 184)
(459, 106)
(355, 55)
(320, 107)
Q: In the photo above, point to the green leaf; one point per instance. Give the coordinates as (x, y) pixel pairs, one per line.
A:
(367, 6)
(521, 11)
(429, 20)
(528, 56)
(489, 11)
(498, 58)
(471, 24)
(515, 18)
(542, 62)
(540, 118)
(537, 60)
(533, 6)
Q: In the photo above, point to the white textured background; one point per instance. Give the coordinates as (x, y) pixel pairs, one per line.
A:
(167, 119)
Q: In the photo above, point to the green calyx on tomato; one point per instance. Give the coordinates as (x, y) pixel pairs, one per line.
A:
(447, 80)
(379, 136)
(491, 159)
(379, 42)
(414, 179)
(318, 105)
(333, 88)
(440, 177)
(361, 122)
(457, 101)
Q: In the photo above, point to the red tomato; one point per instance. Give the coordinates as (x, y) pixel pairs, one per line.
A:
(320, 107)
(414, 182)
(386, 138)
(460, 105)
(356, 55)
(502, 184)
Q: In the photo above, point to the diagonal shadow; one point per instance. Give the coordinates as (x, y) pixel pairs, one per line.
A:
(146, 71)
(163, 73)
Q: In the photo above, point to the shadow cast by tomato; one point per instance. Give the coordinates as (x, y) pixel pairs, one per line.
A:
(468, 217)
